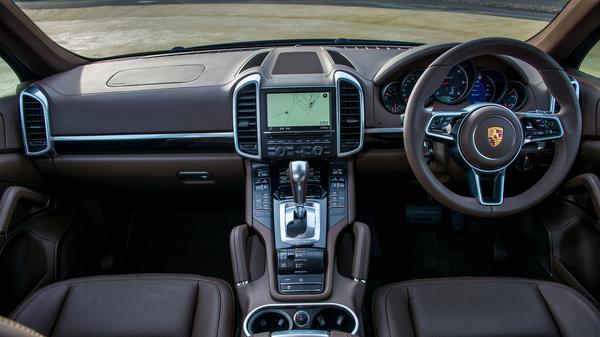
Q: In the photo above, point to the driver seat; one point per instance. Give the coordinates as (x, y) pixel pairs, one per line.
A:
(481, 307)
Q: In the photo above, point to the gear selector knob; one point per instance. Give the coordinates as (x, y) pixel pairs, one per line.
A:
(298, 173)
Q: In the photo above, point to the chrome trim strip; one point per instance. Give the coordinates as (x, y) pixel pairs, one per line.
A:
(383, 130)
(35, 93)
(300, 304)
(343, 76)
(575, 84)
(149, 136)
(300, 333)
(254, 78)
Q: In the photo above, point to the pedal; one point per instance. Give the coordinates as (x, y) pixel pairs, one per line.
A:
(457, 222)
(423, 214)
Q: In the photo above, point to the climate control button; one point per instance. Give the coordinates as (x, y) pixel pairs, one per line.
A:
(317, 150)
(280, 151)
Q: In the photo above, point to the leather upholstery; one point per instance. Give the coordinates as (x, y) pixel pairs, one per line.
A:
(9, 328)
(131, 305)
(481, 307)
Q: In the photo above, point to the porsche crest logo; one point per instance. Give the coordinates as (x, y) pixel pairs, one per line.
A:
(495, 135)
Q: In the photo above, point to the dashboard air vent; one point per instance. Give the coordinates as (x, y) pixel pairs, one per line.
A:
(34, 122)
(246, 117)
(350, 114)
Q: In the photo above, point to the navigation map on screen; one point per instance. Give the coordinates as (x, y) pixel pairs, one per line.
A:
(298, 109)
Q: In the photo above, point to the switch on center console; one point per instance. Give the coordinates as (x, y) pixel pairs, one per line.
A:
(300, 270)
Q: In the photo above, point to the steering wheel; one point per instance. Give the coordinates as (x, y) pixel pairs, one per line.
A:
(486, 137)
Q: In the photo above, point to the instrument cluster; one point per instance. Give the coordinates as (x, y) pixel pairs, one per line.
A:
(464, 83)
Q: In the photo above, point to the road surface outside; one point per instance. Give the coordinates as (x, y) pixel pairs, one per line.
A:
(103, 28)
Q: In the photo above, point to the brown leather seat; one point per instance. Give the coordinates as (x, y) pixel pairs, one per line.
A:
(481, 307)
(131, 305)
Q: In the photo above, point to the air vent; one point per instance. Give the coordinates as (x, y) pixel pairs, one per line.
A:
(246, 122)
(340, 59)
(34, 122)
(350, 114)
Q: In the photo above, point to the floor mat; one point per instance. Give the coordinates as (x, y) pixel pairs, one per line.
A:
(180, 241)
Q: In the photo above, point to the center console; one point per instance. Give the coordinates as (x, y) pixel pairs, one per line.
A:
(301, 261)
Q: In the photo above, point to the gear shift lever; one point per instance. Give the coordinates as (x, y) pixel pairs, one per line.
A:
(298, 173)
(299, 179)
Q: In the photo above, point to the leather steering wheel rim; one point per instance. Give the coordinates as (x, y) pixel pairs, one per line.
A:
(418, 117)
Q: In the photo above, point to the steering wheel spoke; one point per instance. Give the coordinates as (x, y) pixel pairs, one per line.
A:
(442, 125)
(488, 187)
(540, 126)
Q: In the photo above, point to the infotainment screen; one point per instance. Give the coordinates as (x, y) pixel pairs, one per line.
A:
(298, 110)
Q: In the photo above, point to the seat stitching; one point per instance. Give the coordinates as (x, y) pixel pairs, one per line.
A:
(20, 327)
(197, 297)
(62, 305)
(410, 312)
(220, 313)
(549, 310)
(387, 311)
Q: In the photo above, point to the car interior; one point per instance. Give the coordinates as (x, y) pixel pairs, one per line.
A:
(302, 188)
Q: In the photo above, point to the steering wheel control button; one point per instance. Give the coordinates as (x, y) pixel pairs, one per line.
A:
(301, 318)
(441, 126)
(490, 137)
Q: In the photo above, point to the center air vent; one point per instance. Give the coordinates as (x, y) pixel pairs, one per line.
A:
(351, 114)
(34, 122)
(246, 121)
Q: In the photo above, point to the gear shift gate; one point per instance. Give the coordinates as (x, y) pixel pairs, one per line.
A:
(300, 220)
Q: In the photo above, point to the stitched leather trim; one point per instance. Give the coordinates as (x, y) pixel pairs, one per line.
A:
(22, 328)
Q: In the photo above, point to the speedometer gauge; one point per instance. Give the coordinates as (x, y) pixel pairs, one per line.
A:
(392, 98)
(408, 84)
(454, 87)
(515, 96)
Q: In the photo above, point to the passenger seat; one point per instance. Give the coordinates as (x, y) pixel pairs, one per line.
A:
(130, 305)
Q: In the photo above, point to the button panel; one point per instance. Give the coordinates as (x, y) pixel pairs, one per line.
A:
(337, 187)
(299, 146)
(262, 189)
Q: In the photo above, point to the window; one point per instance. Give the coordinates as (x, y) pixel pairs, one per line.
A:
(591, 62)
(97, 29)
(8, 80)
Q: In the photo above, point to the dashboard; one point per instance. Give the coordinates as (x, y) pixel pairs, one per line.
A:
(257, 103)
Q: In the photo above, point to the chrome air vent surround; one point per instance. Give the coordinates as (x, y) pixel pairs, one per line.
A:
(35, 123)
(246, 117)
(350, 114)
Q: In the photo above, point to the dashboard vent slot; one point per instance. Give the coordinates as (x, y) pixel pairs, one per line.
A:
(246, 121)
(34, 122)
(350, 114)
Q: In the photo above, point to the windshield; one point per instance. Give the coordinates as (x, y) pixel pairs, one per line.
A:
(105, 28)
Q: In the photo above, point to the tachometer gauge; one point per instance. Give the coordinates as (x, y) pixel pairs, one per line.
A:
(454, 87)
(392, 98)
(408, 84)
(483, 89)
(515, 96)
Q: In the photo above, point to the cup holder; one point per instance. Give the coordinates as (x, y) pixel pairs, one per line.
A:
(313, 316)
(270, 321)
(333, 318)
